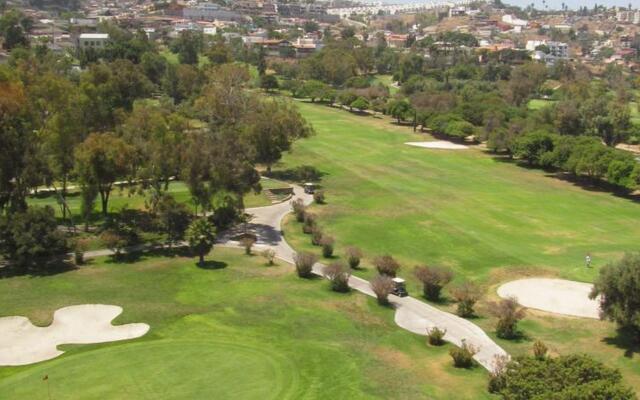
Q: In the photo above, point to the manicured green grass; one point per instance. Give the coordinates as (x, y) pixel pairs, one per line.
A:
(489, 220)
(124, 198)
(538, 104)
(477, 214)
(386, 80)
(635, 113)
(173, 58)
(237, 330)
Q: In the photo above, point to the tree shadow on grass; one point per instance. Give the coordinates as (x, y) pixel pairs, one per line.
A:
(47, 268)
(303, 173)
(212, 264)
(518, 337)
(625, 339)
(584, 183)
(149, 251)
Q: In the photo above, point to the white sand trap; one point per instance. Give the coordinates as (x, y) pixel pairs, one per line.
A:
(553, 295)
(23, 343)
(439, 144)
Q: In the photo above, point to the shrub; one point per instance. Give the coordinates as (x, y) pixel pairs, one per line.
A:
(113, 241)
(80, 246)
(318, 196)
(433, 280)
(508, 313)
(327, 246)
(269, 255)
(309, 223)
(564, 377)
(299, 209)
(466, 294)
(435, 336)
(30, 238)
(247, 242)
(539, 350)
(463, 355)
(339, 276)
(304, 264)
(316, 236)
(386, 265)
(173, 218)
(382, 286)
(353, 255)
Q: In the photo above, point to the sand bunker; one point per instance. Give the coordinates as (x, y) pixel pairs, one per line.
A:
(23, 343)
(553, 295)
(440, 144)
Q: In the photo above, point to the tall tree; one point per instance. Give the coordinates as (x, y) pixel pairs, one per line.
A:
(619, 286)
(14, 28)
(100, 161)
(275, 125)
(157, 137)
(18, 141)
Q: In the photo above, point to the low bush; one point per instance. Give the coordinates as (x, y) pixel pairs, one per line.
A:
(463, 355)
(247, 243)
(467, 295)
(382, 286)
(435, 336)
(269, 255)
(508, 312)
(318, 197)
(113, 241)
(433, 280)
(310, 221)
(539, 350)
(386, 265)
(304, 264)
(316, 236)
(327, 243)
(338, 274)
(80, 246)
(353, 255)
(299, 209)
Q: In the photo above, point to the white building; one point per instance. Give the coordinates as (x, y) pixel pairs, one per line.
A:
(514, 21)
(628, 16)
(556, 49)
(95, 41)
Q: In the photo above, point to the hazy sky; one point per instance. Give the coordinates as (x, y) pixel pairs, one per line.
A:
(551, 3)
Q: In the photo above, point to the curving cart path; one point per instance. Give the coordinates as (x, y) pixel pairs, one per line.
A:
(411, 314)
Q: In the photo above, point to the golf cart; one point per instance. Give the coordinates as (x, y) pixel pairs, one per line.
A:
(399, 287)
(309, 187)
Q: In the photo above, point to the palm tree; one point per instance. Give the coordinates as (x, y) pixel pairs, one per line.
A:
(201, 236)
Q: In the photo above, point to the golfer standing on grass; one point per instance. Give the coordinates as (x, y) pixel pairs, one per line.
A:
(587, 260)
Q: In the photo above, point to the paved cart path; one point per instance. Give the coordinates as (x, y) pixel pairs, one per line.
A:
(411, 313)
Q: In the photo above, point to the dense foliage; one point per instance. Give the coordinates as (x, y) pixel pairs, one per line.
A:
(564, 377)
(619, 287)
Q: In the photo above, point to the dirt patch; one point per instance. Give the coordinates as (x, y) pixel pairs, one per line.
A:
(393, 357)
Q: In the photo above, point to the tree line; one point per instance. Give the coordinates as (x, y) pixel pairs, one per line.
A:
(132, 119)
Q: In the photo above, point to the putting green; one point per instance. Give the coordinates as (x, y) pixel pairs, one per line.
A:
(150, 370)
